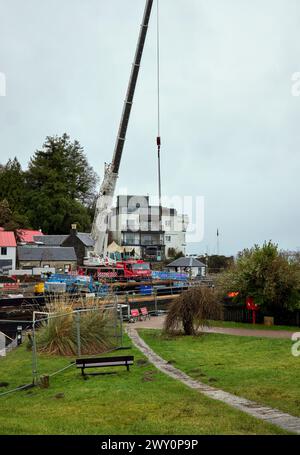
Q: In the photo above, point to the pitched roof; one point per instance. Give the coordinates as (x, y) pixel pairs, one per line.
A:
(50, 240)
(26, 235)
(83, 237)
(86, 239)
(34, 253)
(186, 262)
(7, 238)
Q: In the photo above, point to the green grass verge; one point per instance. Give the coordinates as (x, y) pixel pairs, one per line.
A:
(143, 401)
(242, 325)
(260, 369)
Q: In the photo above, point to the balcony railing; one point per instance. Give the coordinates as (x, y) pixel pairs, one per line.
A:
(127, 243)
(143, 243)
(152, 242)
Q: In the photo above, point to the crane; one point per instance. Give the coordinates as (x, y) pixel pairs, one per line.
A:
(111, 171)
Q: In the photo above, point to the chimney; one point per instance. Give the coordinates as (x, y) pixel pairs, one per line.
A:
(73, 229)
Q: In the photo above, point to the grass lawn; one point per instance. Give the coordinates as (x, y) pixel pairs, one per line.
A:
(143, 401)
(242, 325)
(260, 369)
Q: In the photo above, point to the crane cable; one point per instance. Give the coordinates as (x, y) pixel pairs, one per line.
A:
(158, 70)
(158, 139)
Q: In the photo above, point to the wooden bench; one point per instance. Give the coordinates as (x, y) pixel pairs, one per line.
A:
(101, 362)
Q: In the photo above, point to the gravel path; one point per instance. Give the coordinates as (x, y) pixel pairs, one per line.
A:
(274, 416)
(157, 323)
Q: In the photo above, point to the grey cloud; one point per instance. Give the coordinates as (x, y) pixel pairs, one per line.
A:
(229, 122)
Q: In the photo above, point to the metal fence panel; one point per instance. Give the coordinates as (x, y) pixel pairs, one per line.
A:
(52, 341)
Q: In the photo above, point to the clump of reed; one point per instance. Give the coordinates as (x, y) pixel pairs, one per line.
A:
(58, 333)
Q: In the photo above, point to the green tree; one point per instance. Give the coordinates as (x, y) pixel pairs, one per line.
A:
(13, 190)
(60, 186)
(174, 254)
(217, 263)
(10, 221)
(6, 216)
(265, 274)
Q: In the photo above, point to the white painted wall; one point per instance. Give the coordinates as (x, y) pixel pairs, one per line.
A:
(175, 240)
(11, 255)
(193, 271)
(175, 236)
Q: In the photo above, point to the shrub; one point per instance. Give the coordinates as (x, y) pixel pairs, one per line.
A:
(192, 310)
(267, 275)
(58, 335)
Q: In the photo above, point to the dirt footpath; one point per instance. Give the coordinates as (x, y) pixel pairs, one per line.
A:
(156, 322)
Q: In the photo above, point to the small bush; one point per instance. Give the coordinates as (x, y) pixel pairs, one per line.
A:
(268, 275)
(192, 310)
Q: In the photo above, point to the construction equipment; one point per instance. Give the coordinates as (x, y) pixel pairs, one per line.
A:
(131, 269)
(111, 171)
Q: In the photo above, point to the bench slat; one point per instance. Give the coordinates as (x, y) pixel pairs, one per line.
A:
(108, 364)
(105, 359)
(102, 362)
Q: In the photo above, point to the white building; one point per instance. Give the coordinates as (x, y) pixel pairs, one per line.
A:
(188, 265)
(8, 248)
(135, 226)
(174, 227)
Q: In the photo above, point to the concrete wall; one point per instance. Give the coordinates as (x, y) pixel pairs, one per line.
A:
(56, 264)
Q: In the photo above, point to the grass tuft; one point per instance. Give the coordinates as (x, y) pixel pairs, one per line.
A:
(58, 335)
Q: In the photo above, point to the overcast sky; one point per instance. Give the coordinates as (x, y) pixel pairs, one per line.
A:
(230, 127)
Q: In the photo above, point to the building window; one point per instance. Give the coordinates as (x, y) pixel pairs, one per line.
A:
(130, 239)
(151, 239)
(168, 238)
(3, 251)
